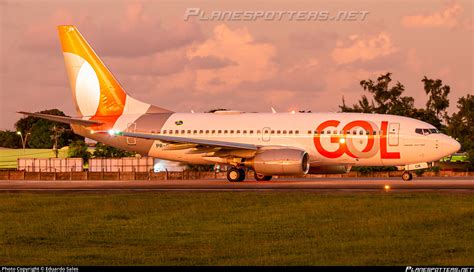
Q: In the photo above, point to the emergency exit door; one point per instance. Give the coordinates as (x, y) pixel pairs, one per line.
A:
(132, 127)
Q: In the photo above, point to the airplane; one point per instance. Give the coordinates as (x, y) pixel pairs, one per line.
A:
(268, 143)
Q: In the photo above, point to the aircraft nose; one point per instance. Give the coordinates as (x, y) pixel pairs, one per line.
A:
(450, 145)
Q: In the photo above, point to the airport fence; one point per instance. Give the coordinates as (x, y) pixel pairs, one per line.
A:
(50, 164)
(193, 175)
(132, 164)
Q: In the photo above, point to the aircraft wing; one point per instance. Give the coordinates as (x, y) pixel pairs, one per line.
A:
(186, 140)
(63, 119)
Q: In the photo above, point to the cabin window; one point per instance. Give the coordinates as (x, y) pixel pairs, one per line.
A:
(322, 132)
(176, 131)
(195, 131)
(251, 132)
(226, 131)
(297, 132)
(361, 132)
(278, 131)
(238, 132)
(284, 131)
(213, 131)
(182, 131)
(219, 131)
(244, 132)
(231, 132)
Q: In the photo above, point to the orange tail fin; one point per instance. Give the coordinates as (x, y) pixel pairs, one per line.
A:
(95, 90)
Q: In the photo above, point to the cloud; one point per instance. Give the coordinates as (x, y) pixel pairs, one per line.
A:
(250, 60)
(363, 49)
(139, 34)
(210, 62)
(157, 64)
(448, 16)
(136, 33)
(320, 40)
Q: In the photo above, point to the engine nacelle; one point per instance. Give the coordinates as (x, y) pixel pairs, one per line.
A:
(280, 162)
(330, 169)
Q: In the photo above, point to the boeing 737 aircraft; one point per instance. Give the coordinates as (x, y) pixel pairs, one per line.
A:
(267, 143)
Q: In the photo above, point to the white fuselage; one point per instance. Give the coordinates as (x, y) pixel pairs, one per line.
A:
(328, 138)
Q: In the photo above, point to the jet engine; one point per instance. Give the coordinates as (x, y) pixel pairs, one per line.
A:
(280, 162)
(330, 169)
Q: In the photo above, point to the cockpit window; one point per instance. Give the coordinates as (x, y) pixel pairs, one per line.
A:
(426, 131)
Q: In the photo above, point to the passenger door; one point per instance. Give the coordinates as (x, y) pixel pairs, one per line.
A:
(393, 133)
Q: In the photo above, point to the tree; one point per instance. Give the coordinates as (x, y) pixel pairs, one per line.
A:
(105, 151)
(10, 139)
(437, 93)
(363, 106)
(461, 125)
(78, 149)
(388, 100)
(42, 130)
(428, 117)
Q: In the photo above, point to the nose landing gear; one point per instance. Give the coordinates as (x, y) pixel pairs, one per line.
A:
(406, 176)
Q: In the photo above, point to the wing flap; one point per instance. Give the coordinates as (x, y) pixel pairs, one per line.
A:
(185, 140)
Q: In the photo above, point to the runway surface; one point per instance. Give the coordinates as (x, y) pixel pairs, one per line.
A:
(461, 185)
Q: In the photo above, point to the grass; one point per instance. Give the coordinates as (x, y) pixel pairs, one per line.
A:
(8, 157)
(228, 228)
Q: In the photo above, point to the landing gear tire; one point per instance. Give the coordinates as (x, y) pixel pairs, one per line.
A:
(406, 176)
(235, 174)
(262, 177)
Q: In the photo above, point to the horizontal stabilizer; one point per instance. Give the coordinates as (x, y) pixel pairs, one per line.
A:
(63, 119)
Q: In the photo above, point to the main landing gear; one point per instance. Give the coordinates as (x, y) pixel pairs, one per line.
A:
(406, 176)
(235, 174)
(262, 177)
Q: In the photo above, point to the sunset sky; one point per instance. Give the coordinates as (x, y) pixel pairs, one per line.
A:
(245, 65)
